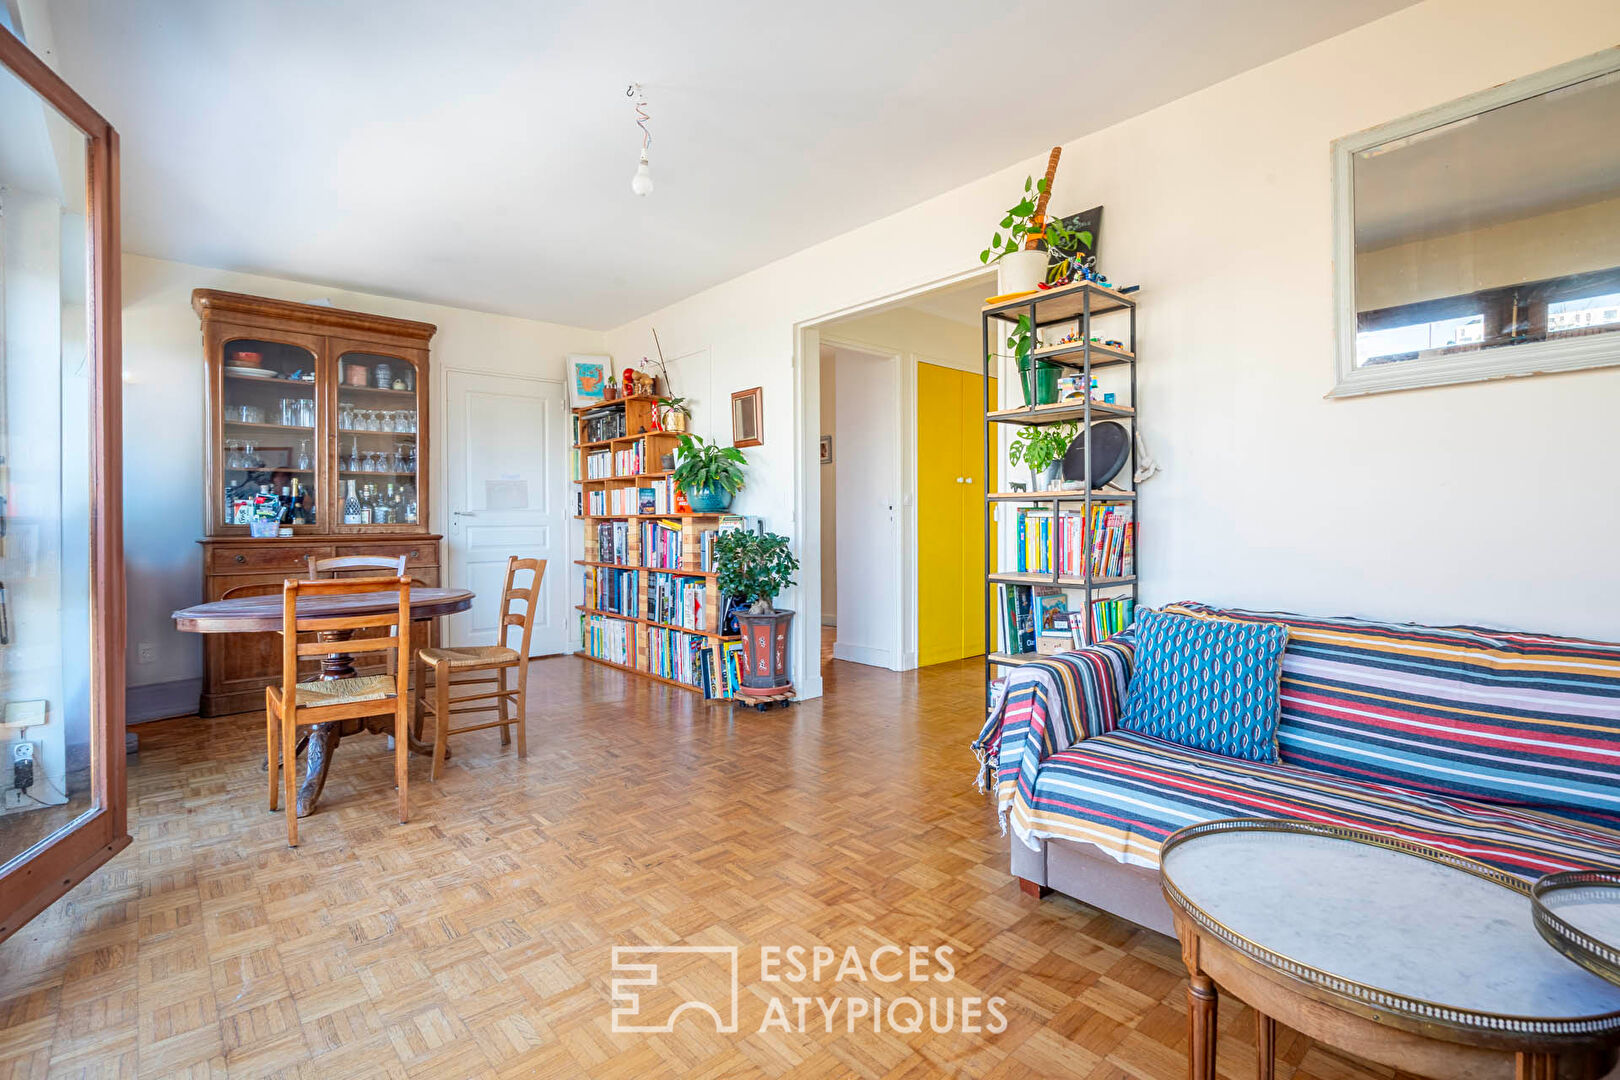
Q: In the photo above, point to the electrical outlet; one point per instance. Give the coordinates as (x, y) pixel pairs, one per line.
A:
(145, 653)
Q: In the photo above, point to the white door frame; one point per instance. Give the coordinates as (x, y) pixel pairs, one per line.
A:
(439, 518)
(901, 554)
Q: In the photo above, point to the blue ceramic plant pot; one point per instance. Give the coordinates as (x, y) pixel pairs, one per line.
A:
(716, 500)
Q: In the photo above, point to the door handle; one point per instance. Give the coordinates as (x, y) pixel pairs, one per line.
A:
(463, 513)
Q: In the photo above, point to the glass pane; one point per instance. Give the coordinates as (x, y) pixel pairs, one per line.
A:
(377, 421)
(1499, 229)
(269, 432)
(46, 747)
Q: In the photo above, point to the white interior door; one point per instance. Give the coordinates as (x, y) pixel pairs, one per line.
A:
(505, 478)
(866, 455)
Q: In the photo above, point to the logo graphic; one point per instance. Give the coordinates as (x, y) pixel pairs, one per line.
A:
(720, 1003)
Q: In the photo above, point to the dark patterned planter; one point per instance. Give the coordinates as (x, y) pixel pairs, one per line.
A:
(765, 652)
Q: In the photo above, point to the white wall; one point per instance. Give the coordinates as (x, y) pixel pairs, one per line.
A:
(1433, 505)
(829, 488)
(163, 424)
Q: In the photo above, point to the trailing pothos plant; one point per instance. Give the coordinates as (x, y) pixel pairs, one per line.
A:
(1038, 447)
(1017, 224)
(754, 567)
(701, 466)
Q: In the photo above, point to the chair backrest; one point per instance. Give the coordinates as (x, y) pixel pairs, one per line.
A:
(529, 594)
(339, 566)
(397, 618)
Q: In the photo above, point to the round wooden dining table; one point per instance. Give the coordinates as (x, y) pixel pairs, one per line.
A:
(262, 614)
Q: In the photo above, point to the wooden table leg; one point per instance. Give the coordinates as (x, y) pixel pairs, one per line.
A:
(1265, 1046)
(1201, 1008)
(1535, 1065)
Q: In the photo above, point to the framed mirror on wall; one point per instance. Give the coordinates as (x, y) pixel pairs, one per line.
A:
(1481, 239)
(62, 790)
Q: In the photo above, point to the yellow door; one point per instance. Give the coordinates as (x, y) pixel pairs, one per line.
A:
(973, 435)
(939, 514)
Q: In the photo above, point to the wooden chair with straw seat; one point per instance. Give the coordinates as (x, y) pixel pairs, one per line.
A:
(345, 566)
(295, 704)
(482, 665)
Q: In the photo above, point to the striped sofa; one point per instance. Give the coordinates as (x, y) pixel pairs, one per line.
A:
(1502, 747)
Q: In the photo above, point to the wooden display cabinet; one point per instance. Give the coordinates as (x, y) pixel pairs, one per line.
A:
(306, 401)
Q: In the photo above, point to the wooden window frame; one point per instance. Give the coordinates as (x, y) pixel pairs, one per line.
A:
(39, 876)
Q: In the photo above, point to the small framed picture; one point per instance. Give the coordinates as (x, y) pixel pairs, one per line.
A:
(826, 450)
(587, 379)
(747, 418)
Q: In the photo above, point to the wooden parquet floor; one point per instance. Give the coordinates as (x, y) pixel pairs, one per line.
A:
(477, 940)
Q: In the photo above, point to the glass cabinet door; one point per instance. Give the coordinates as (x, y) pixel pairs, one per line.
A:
(269, 454)
(379, 417)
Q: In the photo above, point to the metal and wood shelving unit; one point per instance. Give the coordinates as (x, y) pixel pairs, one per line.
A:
(1080, 303)
(640, 428)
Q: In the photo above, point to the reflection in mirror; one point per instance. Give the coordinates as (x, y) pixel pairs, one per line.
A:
(1496, 230)
(45, 440)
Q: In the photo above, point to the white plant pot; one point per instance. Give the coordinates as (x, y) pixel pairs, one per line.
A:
(1021, 271)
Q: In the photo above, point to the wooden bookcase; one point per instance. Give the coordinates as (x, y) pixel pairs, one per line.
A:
(1078, 303)
(641, 430)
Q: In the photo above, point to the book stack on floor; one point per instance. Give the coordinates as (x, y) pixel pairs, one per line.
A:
(1109, 538)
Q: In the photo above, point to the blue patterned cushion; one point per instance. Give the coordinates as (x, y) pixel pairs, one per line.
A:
(1211, 684)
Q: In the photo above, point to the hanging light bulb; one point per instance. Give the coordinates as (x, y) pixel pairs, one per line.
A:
(641, 183)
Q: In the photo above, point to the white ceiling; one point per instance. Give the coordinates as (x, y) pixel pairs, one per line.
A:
(479, 153)
(1531, 157)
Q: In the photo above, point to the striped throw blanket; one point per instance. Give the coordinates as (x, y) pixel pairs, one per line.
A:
(1047, 706)
(1503, 747)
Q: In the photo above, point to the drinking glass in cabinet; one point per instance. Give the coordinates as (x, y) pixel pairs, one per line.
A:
(304, 460)
(306, 412)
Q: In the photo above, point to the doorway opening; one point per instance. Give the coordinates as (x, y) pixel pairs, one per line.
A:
(901, 468)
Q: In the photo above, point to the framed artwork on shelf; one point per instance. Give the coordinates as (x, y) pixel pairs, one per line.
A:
(747, 418)
(587, 379)
(826, 450)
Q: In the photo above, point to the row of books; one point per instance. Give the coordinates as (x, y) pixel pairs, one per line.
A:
(1105, 545)
(663, 545)
(658, 497)
(630, 461)
(1037, 619)
(598, 464)
(613, 542)
(678, 601)
(611, 590)
(599, 425)
(607, 639)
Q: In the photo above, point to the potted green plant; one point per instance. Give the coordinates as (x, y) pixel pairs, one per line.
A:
(754, 568)
(1037, 378)
(709, 474)
(1040, 448)
(673, 413)
(1021, 268)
